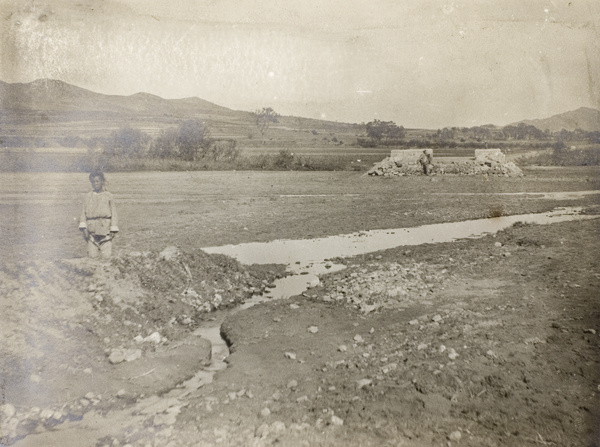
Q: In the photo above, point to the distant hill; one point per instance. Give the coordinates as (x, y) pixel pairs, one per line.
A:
(584, 118)
(47, 111)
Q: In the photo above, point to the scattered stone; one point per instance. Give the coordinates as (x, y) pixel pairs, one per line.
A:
(90, 396)
(534, 341)
(35, 378)
(589, 331)
(358, 338)
(302, 399)
(413, 322)
(336, 420)
(8, 410)
(294, 306)
(421, 346)
(277, 320)
(313, 329)
(290, 355)
(153, 338)
(124, 355)
(46, 414)
(265, 412)
(455, 436)
(497, 244)
(292, 385)
(452, 354)
(363, 383)
(437, 318)
(342, 348)
(442, 349)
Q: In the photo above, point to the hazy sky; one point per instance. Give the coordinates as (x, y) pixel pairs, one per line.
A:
(420, 63)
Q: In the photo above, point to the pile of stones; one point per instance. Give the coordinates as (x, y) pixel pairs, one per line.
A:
(485, 162)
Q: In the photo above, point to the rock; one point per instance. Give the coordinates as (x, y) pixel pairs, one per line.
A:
(589, 331)
(153, 338)
(277, 427)
(290, 355)
(169, 253)
(336, 420)
(46, 413)
(421, 346)
(452, 354)
(119, 355)
(292, 385)
(455, 436)
(265, 412)
(84, 402)
(497, 244)
(8, 410)
(294, 306)
(442, 349)
(358, 339)
(413, 322)
(437, 318)
(90, 396)
(342, 348)
(363, 383)
(313, 329)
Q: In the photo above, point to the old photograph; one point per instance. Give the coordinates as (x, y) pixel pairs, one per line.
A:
(319, 223)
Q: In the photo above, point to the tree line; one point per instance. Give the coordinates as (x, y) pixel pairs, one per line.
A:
(189, 141)
(388, 133)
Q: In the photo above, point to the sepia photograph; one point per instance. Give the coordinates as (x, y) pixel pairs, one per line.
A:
(319, 223)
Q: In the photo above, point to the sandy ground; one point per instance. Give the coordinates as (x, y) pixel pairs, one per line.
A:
(490, 341)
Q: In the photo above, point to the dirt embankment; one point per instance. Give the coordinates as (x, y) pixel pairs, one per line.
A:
(79, 335)
(487, 342)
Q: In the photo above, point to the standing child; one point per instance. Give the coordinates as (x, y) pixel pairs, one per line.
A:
(98, 221)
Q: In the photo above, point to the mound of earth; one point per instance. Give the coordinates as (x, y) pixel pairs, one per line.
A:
(78, 334)
(390, 167)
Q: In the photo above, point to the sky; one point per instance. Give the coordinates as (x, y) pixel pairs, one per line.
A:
(419, 63)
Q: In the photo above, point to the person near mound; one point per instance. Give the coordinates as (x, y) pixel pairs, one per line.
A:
(98, 221)
(426, 161)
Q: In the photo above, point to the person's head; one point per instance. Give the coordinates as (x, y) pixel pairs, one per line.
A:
(97, 181)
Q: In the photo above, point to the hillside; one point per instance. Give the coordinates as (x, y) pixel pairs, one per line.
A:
(584, 118)
(47, 110)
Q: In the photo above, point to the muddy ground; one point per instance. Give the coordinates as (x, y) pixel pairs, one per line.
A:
(490, 341)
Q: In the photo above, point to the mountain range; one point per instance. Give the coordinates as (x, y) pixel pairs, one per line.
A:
(47, 109)
(584, 118)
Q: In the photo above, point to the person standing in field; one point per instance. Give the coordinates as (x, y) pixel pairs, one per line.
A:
(98, 222)
(426, 161)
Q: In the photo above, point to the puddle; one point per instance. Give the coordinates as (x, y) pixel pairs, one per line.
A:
(303, 254)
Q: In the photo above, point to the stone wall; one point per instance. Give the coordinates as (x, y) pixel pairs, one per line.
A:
(406, 156)
(489, 155)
